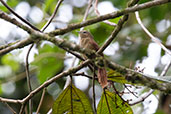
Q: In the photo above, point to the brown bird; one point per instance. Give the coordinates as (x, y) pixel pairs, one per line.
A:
(88, 42)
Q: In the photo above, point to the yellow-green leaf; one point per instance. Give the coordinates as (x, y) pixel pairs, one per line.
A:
(111, 103)
(116, 77)
(72, 101)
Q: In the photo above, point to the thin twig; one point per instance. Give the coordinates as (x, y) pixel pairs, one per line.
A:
(41, 100)
(11, 109)
(88, 22)
(25, 110)
(28, 77)
(98, 14)
(153, 38)
(94, 93)
(10, 100)
(48, 82)
(86, 12)
(115, 90)
(53, 15)
(100, 18)
(130, 91)
(8, 18)
(108, 16)
(27, 64)
(142, 98)
(117, 29)
(83, 74)
(22, 108)
(166, 68)
(22, 19)
(69, 78)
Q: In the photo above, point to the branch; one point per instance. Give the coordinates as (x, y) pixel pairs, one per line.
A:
(28, 77)
(139, 78)
(5, 16)
(88, 22)
(143, 97)
(153, 38)
(17, 45)
(22, 19)
(108, 16)
(130, 75)
(98, 14)
(41, 101)
(117, 29)
(50, 81)
(76, 26)
(53, 15)
(10, 100)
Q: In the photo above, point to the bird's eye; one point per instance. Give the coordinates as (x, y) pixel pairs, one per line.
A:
(84, 32)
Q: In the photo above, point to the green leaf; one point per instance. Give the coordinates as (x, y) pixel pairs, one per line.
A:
(11, 3)
(49, 62)
(100, 32)
(11, 61)
(78, 105)
(116, 77)
(111, 103)
(50, 6)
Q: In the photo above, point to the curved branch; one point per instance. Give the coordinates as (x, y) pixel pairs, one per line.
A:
(117, 29)
(98, 14)
(153, 38)
(108, 16)
(53, 15)
(76, 26)
(50, 81)
(5, 16)
(22, 19)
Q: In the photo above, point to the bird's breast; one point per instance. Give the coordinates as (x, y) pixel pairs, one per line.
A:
(85, 43)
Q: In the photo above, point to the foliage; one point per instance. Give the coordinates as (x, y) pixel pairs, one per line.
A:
(50, 60)
(111, 103)
(72, 101)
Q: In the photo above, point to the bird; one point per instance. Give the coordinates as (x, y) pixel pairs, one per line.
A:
(87, 41)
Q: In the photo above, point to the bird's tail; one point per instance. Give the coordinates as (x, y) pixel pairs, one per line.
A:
(102, 77)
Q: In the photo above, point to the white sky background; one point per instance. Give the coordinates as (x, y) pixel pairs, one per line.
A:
(65, 14)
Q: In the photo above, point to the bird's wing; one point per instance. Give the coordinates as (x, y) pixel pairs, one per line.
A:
(94, 45)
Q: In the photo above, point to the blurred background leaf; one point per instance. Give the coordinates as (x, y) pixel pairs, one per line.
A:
(49, 62)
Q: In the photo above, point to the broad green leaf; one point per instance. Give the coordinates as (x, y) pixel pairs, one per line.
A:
(11, 61)
(116, 77)
(72, 101)
(49, 62)
(111, 103)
